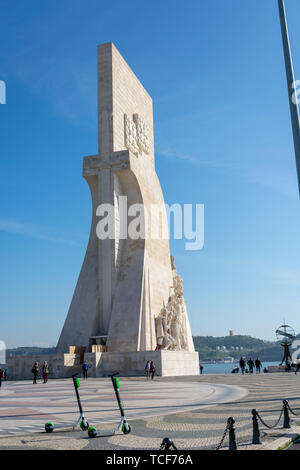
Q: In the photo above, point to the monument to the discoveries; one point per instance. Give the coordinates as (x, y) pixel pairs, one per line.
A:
(128, 305)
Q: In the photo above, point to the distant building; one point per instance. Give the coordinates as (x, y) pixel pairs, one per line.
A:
(231, 333)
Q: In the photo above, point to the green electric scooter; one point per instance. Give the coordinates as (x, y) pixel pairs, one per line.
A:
(123, 425)
(84, 425)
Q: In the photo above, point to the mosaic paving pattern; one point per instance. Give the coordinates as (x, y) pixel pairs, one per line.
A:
(192, 411)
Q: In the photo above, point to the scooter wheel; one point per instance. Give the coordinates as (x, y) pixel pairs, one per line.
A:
(84, 425)
(126, 428)
(49, 427)
(92, 432)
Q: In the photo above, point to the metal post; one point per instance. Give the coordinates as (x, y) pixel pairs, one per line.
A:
(77, 393)
(256, 432)
(286, 421)
(291, 85)
(232, 438)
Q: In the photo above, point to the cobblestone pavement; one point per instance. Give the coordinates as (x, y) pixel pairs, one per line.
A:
(192, 411)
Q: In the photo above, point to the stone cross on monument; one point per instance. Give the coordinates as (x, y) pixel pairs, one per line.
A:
(123, 311)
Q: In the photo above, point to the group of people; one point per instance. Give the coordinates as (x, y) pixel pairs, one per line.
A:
(251, 364)
(35, 371)
(45, 371)
(150, 370)
(292, 366)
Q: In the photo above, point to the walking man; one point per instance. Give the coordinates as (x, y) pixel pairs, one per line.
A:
(242, 365)
(35, 371)
(152, 369)
(251, 365)
(85, 368)
(258, 365)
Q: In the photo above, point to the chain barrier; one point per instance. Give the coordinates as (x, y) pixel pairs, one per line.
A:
(224, 435)
(267, 425)
(231, 430)
(292, 411)
(256, 417)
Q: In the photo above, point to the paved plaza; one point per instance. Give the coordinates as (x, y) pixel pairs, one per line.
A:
(192, 411)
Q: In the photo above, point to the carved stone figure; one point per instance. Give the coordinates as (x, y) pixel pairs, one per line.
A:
(171, 321)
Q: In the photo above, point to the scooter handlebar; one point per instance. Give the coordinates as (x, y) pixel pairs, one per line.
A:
(113, 375)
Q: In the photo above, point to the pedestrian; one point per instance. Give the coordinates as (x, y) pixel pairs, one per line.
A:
(251, 365)
(201, 369)
(258, 365)
(1, 375)
(147, 370)
(45, 372)
(152, 369)
(242, 365)
(85, 368)
(35, 371)
(297, 366)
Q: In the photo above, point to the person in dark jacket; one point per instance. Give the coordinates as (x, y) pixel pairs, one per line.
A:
(258, 365)
(35, 371)
(152, 369)
(251, 365)
(85, 368)
(242, 365)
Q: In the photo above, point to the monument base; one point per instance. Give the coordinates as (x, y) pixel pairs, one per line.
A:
(101, 364)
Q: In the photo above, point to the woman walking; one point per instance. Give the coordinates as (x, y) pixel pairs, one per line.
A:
(45, 372)
(147, 369)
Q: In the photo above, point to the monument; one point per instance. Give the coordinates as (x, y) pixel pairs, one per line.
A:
(285, 335)
(128, 305)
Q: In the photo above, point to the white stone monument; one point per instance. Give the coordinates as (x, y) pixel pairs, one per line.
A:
(129, 297)
(128, 305)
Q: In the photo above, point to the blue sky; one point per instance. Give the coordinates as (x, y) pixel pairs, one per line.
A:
(223, 138)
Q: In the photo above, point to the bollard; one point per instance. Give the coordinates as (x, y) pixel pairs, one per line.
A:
(256, 433)
(231, 430)
(167, 443)
(286, 421)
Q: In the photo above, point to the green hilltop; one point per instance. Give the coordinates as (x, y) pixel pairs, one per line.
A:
(236, 346)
